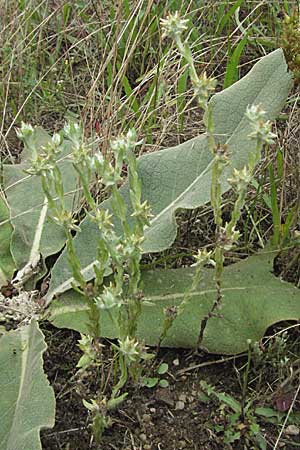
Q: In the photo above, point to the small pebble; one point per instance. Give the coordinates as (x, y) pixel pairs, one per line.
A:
(176, 362)
(179, 405)
(292, 430)
(152, 410)
(170, 420)
(164, 396)
(143, 437)
(146, 418)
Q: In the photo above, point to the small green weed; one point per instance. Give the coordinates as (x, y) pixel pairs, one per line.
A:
(234, 422)
(152, 382)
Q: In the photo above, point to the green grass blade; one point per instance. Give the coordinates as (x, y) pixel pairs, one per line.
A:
(275, 208)
(228, 16)
(232, 73)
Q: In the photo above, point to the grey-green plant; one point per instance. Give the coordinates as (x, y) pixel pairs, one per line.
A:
(96, 285)
(116, 254)
(180, 177)
(226, 233)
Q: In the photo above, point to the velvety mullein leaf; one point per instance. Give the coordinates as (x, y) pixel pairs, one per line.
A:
(27, 401)
(253, 299)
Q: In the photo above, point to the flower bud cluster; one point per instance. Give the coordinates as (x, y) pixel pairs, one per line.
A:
(42, 163)
(203, 257)
(65, 219)
(203, 87)
(222, 154)
(89, 352)
(240, 178)
(110, 298)
(173, 26)
(261, 128)
(129, 347)
(228, 236)
(74, 133)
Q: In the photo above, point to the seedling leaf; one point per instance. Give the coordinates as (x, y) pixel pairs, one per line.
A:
(163, 368)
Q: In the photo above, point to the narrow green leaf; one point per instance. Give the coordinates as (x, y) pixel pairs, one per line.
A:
(231, 75)
(229, 401)
(134, 104)
(228, 15)
(275, 208)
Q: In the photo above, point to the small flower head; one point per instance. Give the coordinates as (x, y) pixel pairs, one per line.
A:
(66, 220)
(73, 131)
(52, 148)
(261, 128)
(40, 166)
(103, 219)
(203, 257)
(56, 139)
(118, 145)
(97, 162)
(109, 298)
(27, 134)
(203, 87)
(222, 153)
(25, 131)
(173, 25)
(81, 155)
(255, 113)
(123, 144)
(89, 353)
(228, 237)
(171, 312)
(129, 348)
(131, 138)
(143, 212)
(240, 178)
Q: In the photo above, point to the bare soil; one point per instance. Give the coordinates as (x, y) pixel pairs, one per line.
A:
(173, 418)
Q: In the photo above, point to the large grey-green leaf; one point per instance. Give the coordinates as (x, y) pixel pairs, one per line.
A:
(34, 233)
(7, 265)
(180, 177)
(253, 300)
(27, 401)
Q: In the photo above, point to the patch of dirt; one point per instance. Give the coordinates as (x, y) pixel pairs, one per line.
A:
(173, 418)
